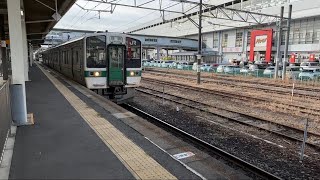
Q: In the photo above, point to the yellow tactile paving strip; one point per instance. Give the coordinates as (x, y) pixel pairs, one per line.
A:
(141, 165)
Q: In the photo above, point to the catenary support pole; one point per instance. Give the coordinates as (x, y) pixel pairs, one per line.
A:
(199, 56)
(285, 60)
(279, 54)
(5, 69)
(18, 91)
(31, 54)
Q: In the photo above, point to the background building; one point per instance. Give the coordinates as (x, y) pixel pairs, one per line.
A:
(226, 40)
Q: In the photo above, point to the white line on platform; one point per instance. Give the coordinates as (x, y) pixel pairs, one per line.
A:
(185, 165)
(7, 154)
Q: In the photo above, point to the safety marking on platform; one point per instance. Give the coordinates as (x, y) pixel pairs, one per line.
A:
(124, 115)
(183, 155)
(140, 164)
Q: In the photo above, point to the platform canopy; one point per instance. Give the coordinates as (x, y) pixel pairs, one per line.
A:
(40, 16)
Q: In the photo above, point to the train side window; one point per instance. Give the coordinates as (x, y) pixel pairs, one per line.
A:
(96, 52)
(67, 58)
(77, 57)
(64, 57)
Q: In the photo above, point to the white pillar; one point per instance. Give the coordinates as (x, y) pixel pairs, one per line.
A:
(25, 48)
(17, 57)
(31, 54)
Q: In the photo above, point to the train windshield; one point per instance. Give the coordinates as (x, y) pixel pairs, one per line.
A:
(133, 59)
(96, 52)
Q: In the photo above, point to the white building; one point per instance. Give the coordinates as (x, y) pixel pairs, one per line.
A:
(231, 39)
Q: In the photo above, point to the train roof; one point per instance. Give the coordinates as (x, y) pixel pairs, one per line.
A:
(87, 35)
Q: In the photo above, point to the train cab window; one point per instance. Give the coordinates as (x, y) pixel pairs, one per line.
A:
(96, 52)
(133, 59)
(133, 48)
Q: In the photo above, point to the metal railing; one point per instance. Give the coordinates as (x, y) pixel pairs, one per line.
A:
(5, 114)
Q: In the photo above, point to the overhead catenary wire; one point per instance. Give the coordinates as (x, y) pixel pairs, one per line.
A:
(168, 14)
(76, 15)
(86, 13)
(145, 16)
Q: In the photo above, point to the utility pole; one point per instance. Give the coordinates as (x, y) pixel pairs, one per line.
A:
(279, 54)
(285, 60)
(199, 56)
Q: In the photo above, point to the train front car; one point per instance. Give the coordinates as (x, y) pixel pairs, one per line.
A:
(105, 63)
(95, 64)
(133, 65)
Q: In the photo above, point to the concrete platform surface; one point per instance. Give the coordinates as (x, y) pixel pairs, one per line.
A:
(76, 138)
(60, 144)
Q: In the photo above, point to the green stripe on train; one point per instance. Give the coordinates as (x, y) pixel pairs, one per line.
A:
(102, 73)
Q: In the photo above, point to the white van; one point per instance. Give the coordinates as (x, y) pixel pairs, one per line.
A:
(313, 65)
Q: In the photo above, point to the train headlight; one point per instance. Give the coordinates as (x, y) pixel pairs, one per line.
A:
(96, 74)
(132, 73)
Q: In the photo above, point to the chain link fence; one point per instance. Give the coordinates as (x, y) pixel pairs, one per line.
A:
(312, 79)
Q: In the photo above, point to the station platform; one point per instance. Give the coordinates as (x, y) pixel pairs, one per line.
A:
(74, 137)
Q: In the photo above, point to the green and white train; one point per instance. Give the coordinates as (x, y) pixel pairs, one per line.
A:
(106, 62)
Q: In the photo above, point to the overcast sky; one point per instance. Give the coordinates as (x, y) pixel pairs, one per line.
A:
(120, 20)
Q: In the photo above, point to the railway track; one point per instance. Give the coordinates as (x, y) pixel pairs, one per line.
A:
(288, 106)
(260, 173)
(277, 88)
(237, 117)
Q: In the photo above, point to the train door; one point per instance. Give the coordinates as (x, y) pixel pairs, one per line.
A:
(81, 63)
(72, 62)
(116, 73)
(60, 60)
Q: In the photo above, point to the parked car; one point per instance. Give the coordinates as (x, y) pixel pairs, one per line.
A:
(309, 74)
(270, 71)
(232, 69)
(157, 63)
(195, 66)
(220, 68)
(166, 64)
(205, 67)
(212, 67)
(294, 64)
(245, 70)
(253, 67)
(292, 72)
(313, 65)
(146, 62)
(182, 65)
(174, 64)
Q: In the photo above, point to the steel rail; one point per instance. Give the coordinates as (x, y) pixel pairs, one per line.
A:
(235, 95)
(229, 78)
(211, 148)
(249, 117)
(223, 79)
